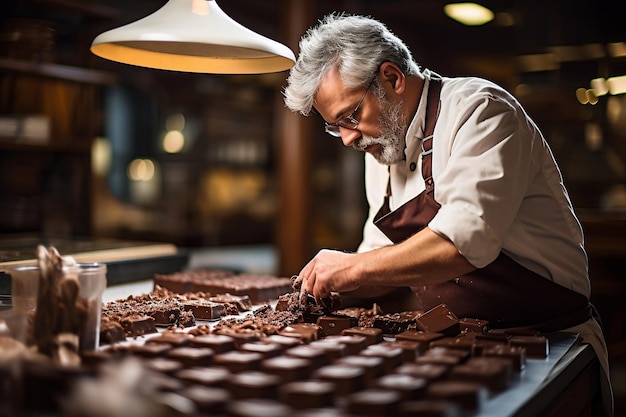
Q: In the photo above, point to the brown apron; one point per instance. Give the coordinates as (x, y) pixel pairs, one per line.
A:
(503, 292)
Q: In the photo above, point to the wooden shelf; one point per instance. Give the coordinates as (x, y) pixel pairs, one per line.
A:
(61, 72)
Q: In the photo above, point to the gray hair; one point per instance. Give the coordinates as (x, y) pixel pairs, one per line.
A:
(355, 45)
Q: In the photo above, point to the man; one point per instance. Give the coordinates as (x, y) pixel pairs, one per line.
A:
(467, 204)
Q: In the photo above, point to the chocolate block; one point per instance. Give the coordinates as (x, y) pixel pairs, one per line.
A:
(137, 325)
(410, 350)
(354, 344)
(205, 310)
(334, 325)
(209, 376)
(333, 350)
(317, 356)
(236, 361)
(308, 394)
(439, 319)
(346, 379)
(190, 356)
(372, 335)
(428, 371)
(255, 407)
(218, 343)
(285, 342)
(374, 402)
(305, 332)
(111, 332)
(517, 355)
(208, 400)
(397, 322)
(373, 366)
(392, 356)
(241, 302)
(288, 368)
(460, 342)
(429, 408)
(419, 336)
(536, 346)
(408, 386)
(173, 338)
(473, 325)
(254, 384)
(163, 365)
(149, 350)
(268, 350)
(469, 396)
(493, 373)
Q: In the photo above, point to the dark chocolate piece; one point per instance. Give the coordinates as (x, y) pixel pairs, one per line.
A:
(334, 325)
(373, 366)
(354, 344)
(397, 322)
(317, 356)
(308, 394)
(536, 346)
(210, 376)
(517, 355)
(493, 373)
(218, 343)
(408, 386)
(419, 336)
(428, 371)
(473, 325)
(374, 402)
(305, 332)
(346, 379)
(469, 396)
(373, 335)
(439, 319)
(237, 361)
(288, 368)
(392, 356)
(190, 356)
(136, 325)
(268, 350)
(254, 384)
(208, 400)
(176, 339)
(205, 310)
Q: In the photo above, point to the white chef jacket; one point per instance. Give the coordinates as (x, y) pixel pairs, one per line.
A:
(498, 185)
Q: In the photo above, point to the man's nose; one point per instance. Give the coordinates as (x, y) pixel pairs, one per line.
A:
(349, 136)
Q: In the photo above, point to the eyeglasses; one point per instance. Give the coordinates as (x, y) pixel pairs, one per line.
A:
(349, 122)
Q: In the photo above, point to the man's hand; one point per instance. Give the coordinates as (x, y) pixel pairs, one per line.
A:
(328, 271)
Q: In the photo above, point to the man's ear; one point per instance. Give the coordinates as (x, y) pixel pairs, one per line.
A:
(392, 76)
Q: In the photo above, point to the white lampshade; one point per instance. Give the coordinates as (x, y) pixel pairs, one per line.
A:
(193, 36)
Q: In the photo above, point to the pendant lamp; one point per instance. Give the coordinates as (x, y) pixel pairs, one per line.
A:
(193, 36)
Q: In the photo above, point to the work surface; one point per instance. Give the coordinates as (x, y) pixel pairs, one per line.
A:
(543, 385)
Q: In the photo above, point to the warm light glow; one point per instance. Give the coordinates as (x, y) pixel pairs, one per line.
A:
(591, 97)
(173, 141)
(617, 85)
(101, 156)
(141, 170)
(470, 14)
(599, 86)
(581, 95)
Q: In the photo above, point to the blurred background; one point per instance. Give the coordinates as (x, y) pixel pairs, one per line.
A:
(94, 148)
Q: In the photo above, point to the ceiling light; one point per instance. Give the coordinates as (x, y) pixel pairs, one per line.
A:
(470, 14)
(193, 36)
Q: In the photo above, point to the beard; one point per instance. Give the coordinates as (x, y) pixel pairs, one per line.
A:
(391, 140)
